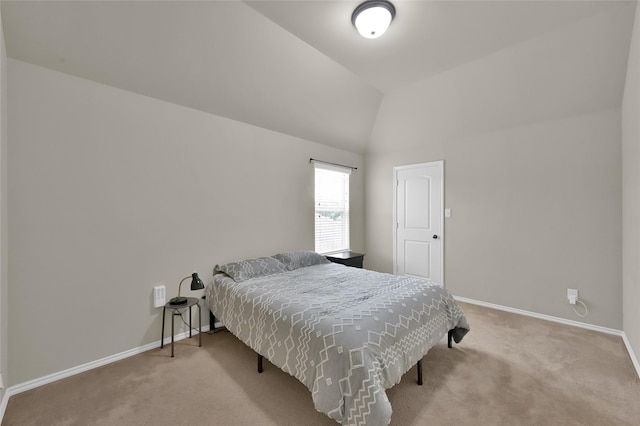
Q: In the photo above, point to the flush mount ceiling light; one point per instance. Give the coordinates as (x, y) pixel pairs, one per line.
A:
(372, 18)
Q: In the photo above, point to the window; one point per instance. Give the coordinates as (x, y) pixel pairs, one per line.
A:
(331, 208)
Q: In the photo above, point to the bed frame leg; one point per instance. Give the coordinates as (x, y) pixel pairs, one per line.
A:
(212, 322)
(449, 337)
(419, 372)
(259, 363)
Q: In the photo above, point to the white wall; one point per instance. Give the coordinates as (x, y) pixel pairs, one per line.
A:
(532, 171)
(536, 209)
(631, 192)
(111, 193)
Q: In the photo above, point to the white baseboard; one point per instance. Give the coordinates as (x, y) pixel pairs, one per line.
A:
(541, 316)
(31, 384)
(606, 330)
(633, 356)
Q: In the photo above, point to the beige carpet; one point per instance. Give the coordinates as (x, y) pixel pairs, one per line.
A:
(509, 370)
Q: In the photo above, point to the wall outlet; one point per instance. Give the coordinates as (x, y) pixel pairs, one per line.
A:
(159, 296)
(572, 295)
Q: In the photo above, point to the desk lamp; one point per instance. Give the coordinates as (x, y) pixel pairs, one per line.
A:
(196, 284)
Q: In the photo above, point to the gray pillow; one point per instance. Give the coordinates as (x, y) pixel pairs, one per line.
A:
(251, 268)
(300, 258)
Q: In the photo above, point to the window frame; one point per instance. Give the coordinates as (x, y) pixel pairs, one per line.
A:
(343, 206)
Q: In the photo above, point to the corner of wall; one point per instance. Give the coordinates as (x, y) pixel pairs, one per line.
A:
(3, 215)
(630, 111)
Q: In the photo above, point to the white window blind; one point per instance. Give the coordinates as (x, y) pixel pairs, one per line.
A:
(332, 208)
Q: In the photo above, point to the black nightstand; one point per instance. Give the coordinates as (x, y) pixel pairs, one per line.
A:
(176, 310)
(347, 258)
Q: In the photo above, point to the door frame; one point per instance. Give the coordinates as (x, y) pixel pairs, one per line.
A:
(396, 182)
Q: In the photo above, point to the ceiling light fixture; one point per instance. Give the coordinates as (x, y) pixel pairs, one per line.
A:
(372, 18)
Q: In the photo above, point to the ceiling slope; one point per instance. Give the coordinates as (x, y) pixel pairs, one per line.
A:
(300, 68)
(577, 69)
(426, 37)
(221, 57)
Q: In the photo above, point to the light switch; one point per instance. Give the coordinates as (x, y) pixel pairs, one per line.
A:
(447, 212)
(159, 296)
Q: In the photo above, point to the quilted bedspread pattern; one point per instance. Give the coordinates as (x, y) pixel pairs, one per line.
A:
(346, 333)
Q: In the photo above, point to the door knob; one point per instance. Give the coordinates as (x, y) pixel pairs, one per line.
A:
(435, 237)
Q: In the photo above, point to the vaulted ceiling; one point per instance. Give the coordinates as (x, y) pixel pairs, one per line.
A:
(299, 67)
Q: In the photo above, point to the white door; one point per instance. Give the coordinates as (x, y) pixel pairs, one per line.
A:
(418, 249)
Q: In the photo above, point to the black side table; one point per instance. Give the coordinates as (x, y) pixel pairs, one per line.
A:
(348, 258)
(176, 310)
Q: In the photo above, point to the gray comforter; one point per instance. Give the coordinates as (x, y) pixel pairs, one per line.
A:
(346, 333)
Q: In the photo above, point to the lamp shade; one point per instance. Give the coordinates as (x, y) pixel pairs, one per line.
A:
(196, 282)
(372, 18)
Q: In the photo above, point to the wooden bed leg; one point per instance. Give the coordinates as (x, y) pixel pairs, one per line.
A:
(449, 337)
(259, 363)
(420, 372)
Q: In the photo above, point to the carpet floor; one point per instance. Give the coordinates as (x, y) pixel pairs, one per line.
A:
(509, 370)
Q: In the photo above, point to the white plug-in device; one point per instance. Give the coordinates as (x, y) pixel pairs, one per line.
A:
(572, 295)
(159, 296)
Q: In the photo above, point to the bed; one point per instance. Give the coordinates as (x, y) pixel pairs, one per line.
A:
(346, 333)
